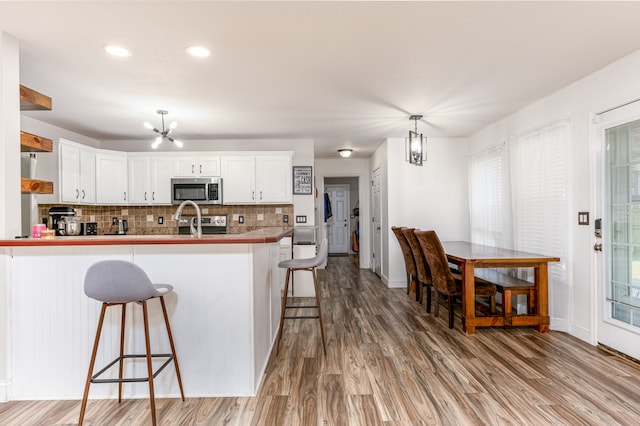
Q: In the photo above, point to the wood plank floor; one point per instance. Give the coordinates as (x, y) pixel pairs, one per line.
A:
(388, 363)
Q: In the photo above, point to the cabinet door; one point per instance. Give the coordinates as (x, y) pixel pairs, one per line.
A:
(273, 179)
(161, 180)
(111, 179)
(138, 179)
(69, 174)
(184, 167)
(87, 176)
(208, 166)
(238, 180)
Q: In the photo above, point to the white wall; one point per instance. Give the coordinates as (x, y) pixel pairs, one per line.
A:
(343, 167)
(609, 87)
(9, 176)
(433, 196)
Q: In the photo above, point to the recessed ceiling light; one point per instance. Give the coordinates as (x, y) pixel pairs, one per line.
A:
(119, 51)
(198, 51)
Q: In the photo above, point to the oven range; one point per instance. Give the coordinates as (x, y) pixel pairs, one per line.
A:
(210, 224)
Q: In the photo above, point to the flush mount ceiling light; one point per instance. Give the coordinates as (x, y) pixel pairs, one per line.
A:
(118, 51)
(344, 153)
(416, 144)
(198, 51)
(164, 133)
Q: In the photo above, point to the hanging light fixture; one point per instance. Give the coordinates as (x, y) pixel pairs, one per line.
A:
(416, 144)
(164, 133)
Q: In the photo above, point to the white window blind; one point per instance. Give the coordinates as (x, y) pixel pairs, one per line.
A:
(539, 194)
(487, 204)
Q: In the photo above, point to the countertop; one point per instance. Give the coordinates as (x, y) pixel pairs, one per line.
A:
(259, 236)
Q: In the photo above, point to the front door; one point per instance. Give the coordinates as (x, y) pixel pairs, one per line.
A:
(618, 310)
(338, 223)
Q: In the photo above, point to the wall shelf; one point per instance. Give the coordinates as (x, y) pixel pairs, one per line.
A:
(31, 100)
(35, 186)
(34, 143)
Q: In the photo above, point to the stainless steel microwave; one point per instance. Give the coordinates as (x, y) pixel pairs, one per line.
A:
(199, 190)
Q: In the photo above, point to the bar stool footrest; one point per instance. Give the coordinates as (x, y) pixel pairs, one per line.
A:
(94, 378)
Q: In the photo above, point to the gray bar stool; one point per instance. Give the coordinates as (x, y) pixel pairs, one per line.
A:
(116, 283)
(308, 264)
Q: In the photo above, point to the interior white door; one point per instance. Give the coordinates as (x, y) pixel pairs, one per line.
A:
(618, 285)
(376, 252)
(338, 224)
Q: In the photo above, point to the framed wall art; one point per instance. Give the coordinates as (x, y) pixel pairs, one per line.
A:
(302, 180)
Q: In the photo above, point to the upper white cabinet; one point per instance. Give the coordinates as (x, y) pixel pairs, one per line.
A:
(149, 179)
(196, 166)
(250, 179)
(77, 171)
(273, 179)
(239, 179)
(111, 178)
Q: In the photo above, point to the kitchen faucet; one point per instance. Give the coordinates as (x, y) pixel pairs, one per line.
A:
(178, 214)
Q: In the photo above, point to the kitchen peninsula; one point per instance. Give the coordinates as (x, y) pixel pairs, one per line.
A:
(224, 312)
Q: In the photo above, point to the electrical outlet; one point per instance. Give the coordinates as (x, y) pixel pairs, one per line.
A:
(240, 219)
(285, 218)
(160, 220)
(301, 219)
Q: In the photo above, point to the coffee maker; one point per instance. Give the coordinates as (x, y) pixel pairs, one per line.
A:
(57, 217)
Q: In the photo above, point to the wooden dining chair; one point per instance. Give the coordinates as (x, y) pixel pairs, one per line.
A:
(423, 272)
(443, 280)
(409, 262)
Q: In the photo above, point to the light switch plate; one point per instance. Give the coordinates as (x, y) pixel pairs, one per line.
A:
(301, 219)
(583, 218)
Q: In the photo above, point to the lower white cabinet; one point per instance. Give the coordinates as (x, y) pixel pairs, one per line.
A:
(111, 178)
(149, 180)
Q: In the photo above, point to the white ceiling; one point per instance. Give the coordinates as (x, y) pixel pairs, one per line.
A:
(346, 74)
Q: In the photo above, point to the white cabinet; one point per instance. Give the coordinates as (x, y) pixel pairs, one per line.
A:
(239, 179)
(77, 170)
(149, 180)
(194, 166)
(111, 178)
(250, 179)
(273, 179)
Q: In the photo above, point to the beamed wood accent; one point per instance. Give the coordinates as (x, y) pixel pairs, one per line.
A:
(34, 143)
(389, 363)
(35, 186)
(31, 100)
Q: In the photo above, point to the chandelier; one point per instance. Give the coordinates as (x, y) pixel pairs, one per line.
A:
(164, 133)
(416, 144)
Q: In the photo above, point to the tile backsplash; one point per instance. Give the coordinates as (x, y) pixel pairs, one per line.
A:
(143, 220)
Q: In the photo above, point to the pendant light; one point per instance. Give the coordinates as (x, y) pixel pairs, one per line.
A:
(164, 133)
(416, 144)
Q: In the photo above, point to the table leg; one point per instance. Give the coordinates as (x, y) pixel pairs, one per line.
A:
(468, 298)
(541, 275)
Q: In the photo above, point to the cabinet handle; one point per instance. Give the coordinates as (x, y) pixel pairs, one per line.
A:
(193, 168)
(125, 195)
(260, 195)
(145, 195)
(200, 168)
(77, 194)
(253, 195)
(83, 194)
(153, 196)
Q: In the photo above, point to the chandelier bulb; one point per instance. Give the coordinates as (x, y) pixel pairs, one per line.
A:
(178, 143)
(173, 125)
(148, 125)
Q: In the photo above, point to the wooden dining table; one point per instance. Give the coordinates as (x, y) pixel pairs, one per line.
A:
(469, 256)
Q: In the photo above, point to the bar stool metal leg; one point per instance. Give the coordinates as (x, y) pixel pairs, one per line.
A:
(315, 284)
(283, 308)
